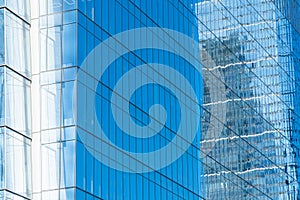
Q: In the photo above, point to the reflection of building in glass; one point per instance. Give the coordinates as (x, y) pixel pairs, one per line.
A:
(252, 53)
(250, 126)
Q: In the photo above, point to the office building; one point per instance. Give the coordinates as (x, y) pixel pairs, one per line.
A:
(15, 100)
(71, 104)
(251, 48)
(71, 128)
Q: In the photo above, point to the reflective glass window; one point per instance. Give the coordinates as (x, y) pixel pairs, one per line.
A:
(53, 48)
(50, 166)
(69, 45)
(2, 167)
(67, 194)
(69, 4)
(18, 102)
(54, 6)
(2, 97)
(67, 103)
(17, 167)
(17, 44)
(21, 7)
(67, 173)
(50, 106)
(2, 47)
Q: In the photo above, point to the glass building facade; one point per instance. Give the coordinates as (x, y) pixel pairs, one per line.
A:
(65, 164)
(15, 101)
(54, 106)
(251, 48)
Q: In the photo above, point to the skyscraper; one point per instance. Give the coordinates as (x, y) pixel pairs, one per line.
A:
(160, 99)
(72, 106)
(15, 110)
(252, 45)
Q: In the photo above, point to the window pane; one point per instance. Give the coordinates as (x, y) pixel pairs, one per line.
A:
(18, 109)
(69, 45)
(67, 164)
(54, 48)
(67, 111)
(80, 165)
(68, 194)
(1, 158)
(21, 7)
(1, 36)
(2, 99)
(54, 6)
(69, 4)
(18, 169)
(50, 166)
(17, 44)
(50, 106)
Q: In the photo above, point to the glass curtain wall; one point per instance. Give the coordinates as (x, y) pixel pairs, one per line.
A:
(15, 101)
(253, 55)
(68, 30)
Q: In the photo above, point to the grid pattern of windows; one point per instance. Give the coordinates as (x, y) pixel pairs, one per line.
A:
(251, 46)
(250, 124)
(15, 101)
(63, 166)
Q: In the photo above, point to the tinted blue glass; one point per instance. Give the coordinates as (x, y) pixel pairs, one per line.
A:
(69, 17)
(67, 178)
(80, 166)
(130, 17)
(69, 45)
(247, 50)
(67, 194)
(81, 44)
(54, 6)
(82, 6)
(90, 173)
(69, 4)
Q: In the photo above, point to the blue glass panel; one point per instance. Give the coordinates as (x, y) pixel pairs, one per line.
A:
(82, 6)
(69, 4)
(67, 174)
(67, 194)
(54, 6)
(69, 45)
(69, 17)
(82, 52)
(80, 166)
(80, 194)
